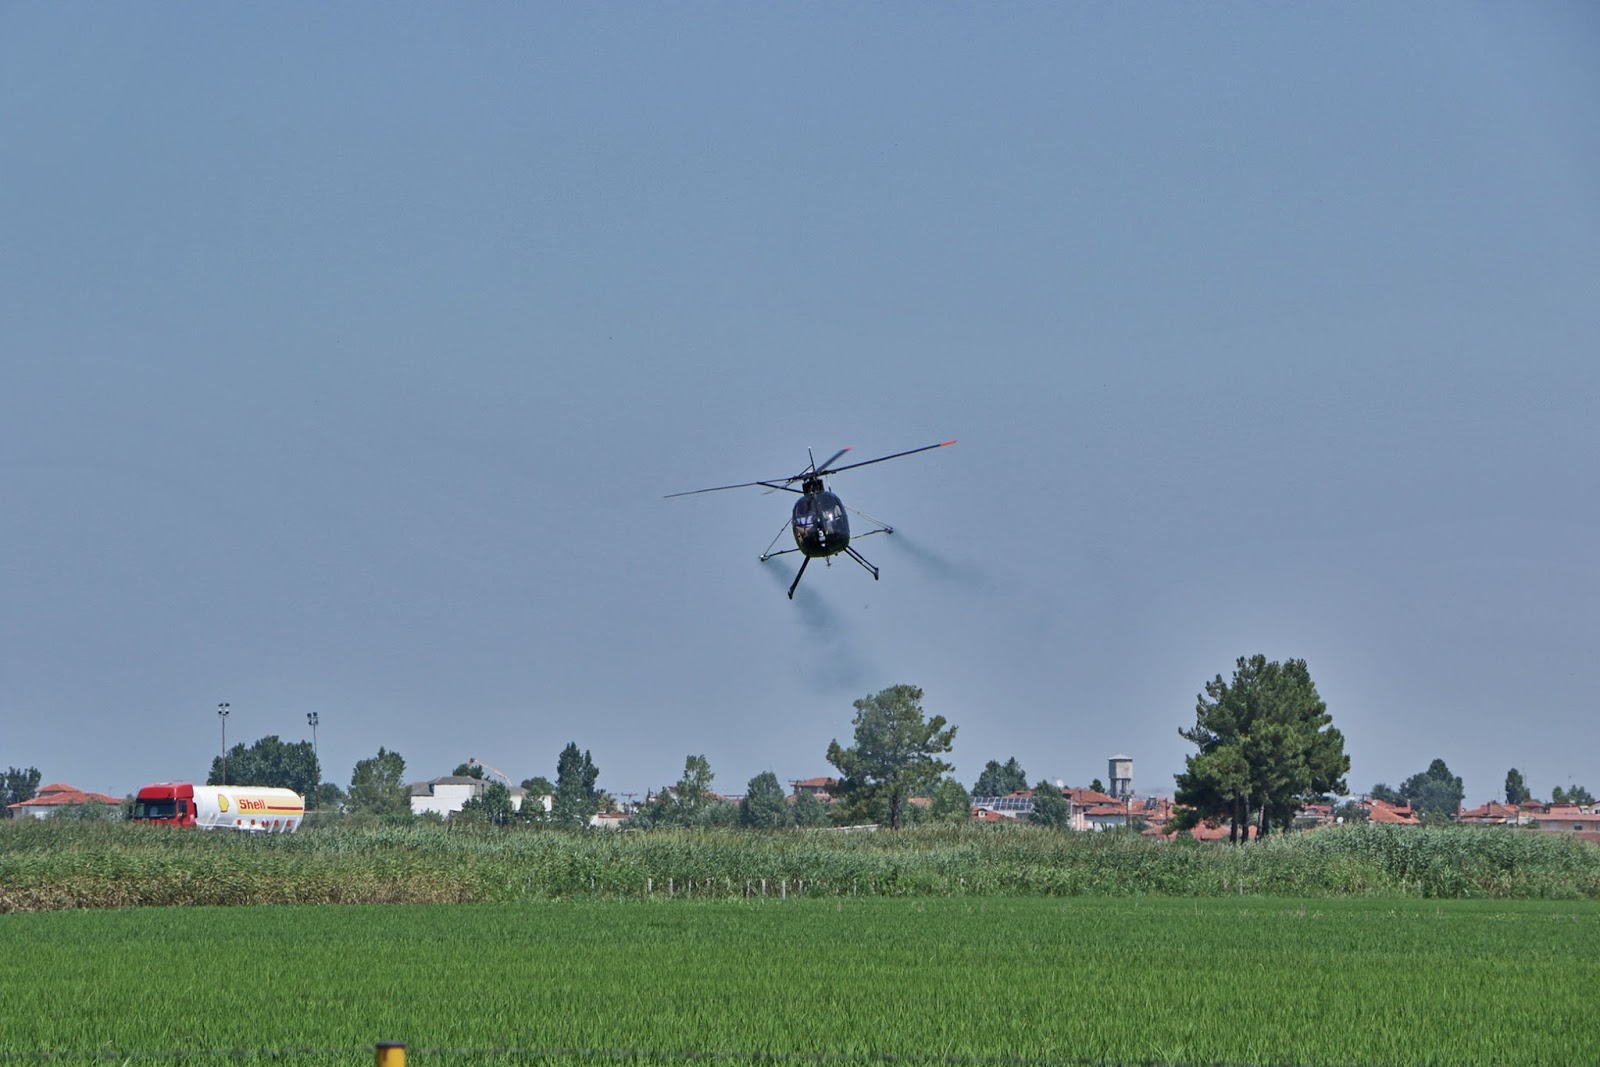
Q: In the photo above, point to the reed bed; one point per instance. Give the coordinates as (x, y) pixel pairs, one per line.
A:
(45, 866)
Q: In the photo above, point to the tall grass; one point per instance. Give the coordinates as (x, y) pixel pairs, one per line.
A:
(50, 866)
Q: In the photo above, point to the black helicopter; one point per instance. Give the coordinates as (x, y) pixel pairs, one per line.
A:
(819, 523)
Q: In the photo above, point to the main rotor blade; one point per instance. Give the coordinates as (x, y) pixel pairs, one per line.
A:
(815, 472)
(833, 457)
(880, 459)
(773, 484)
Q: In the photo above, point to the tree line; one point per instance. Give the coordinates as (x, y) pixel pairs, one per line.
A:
(1266, 748)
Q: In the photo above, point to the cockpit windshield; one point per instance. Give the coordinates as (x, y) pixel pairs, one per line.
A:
(155, 809)
(819, 524)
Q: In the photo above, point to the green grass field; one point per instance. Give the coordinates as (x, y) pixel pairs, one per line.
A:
(1134, 980)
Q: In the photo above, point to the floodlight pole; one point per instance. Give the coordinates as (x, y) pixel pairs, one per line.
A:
(316, 768)
(222, 714)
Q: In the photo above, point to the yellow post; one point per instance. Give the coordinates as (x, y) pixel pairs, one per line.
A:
(391, 1054)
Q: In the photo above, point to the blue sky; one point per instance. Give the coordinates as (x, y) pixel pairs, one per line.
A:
(346, 354)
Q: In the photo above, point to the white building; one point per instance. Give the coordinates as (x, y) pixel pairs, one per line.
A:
(450, 793)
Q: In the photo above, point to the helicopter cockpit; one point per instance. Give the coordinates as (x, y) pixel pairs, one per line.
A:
(821, 527)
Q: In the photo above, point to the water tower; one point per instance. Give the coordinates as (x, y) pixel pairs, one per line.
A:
(1120, 771)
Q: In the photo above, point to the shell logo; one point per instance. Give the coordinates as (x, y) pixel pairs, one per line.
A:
(222, 801)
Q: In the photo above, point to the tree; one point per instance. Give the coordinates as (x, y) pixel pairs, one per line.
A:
(809, 811)
(1516, 788)
(89, 811)
(718, 814)
(17, 785)
(1050, 808)
(689, 803)
(377, 785)
(270, 762)
(494, 805)
(468, 769)
(1096, 786)
(534, 791)
(1576, 794)
(539, 786)
(1350, 812)
(1387, 794)
(764, 806)
(331, 798)
(895, 753)
(999, 780)
(693, 791)
(577, 799)
(951, 803)
(1434, 791)
(1267, 748)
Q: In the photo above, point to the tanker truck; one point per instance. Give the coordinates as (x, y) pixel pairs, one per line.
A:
(255, 809)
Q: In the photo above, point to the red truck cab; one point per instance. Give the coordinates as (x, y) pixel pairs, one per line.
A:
(169, 803)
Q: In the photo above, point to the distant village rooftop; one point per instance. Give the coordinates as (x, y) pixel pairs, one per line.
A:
(57, 795)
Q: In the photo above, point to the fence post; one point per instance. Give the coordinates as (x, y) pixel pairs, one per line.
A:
(391, 1054)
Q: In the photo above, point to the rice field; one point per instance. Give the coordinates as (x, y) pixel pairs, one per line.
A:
(46, 867)
(836, 980)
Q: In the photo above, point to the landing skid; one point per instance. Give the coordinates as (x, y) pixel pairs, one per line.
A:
(859, 558)
(804, 560)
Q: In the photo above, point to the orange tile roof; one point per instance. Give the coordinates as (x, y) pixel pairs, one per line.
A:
(1491, 810)
(1202, 832)
(57, 795)
(1381, 812)
(1573, 815)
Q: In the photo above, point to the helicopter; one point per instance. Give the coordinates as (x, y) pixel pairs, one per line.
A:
(818, 522)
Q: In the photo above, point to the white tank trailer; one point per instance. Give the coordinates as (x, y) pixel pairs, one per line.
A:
(257, 809)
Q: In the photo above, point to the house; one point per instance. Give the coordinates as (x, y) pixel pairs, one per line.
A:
(1201, 832)
(1153, 810)
(1220, 833)
(448, 794)
(1568, 819)
(1088, 810)
(1383, 811)
(1104, 816)
(55, 796)
(1087, 798)
(1314, 816)
(1492, 814)
(1018, 805)
(821, 788)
